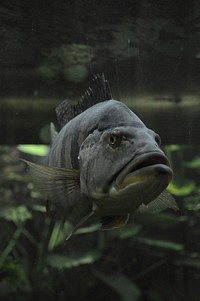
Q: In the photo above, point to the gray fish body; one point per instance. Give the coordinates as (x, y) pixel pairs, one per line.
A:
(105, 116)
(83, 144)
(104, 160)
(76, 145)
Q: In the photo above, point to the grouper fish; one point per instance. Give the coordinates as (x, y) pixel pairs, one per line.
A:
(103, 162)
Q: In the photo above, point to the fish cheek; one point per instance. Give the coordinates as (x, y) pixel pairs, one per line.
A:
(87, 163)
(99, 163)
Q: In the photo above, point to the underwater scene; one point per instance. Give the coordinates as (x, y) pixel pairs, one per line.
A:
(99, 106)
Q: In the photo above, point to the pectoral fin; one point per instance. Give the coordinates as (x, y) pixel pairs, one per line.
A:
(48, 178)
(113, 222)
(163, 201)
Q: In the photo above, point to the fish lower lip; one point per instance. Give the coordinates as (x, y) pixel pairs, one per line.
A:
(143, 166)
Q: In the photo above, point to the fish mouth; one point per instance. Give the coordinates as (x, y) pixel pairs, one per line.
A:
(142, 167)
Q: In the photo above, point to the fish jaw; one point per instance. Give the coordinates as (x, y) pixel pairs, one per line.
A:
(140, 181)
(150, 163)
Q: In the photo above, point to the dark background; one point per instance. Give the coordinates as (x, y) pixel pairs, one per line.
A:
(142, 46)
(150, 52)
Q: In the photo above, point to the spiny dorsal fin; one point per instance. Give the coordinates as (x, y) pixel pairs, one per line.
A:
(99, 92)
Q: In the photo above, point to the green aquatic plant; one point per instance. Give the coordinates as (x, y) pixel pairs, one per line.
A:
(14, 280)
(183, 189)
(194, 163)
(33, 149)
(124, 287)
(121, 264)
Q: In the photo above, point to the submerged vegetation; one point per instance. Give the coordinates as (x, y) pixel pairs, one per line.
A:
(155, 257)
(147, 49)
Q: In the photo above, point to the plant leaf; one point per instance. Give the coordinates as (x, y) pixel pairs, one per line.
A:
(127, 289)
(67, 262)
(18, 214)
(33, 149)
(195, 163)
(165, 244)
(181, 190)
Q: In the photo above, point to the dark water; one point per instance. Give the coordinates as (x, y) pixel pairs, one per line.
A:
(149, 51)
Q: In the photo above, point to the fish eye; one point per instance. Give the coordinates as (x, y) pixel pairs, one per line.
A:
(114, 139)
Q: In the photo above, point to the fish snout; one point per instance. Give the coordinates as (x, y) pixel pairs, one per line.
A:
(143, 166)
(142, 180)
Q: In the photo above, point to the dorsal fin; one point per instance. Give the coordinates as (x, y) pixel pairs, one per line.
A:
(99, 92)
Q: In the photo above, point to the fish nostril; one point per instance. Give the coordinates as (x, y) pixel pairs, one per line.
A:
(158, 139)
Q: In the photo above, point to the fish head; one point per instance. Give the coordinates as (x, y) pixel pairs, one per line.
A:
(122, 165)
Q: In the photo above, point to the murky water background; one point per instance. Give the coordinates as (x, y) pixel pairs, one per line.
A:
(149, 52)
